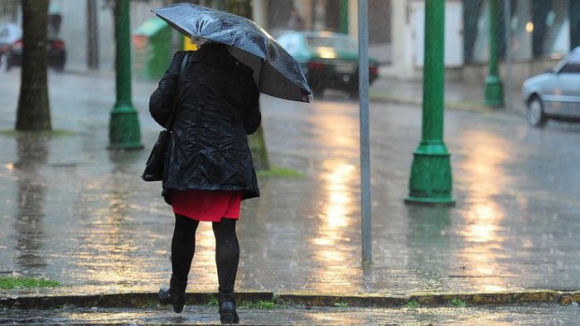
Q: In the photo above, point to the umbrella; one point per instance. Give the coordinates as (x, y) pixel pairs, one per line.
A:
(275, 71)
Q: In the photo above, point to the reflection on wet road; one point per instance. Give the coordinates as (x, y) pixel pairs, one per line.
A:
(28, 223)
(486, 179)
(74, 212)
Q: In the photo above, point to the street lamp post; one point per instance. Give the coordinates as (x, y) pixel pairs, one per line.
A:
(431, 180)
(365, 151)
(344, 16)
(493, 83)
(124, 132)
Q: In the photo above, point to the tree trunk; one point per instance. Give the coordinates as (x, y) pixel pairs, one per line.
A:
(33, 112)
(257, 142)
(92, 35)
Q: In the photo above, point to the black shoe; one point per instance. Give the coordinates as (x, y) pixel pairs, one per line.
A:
(228, 314)
(175, 295)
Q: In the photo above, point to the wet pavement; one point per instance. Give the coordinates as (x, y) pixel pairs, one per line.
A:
(75, 212)
(528, 315)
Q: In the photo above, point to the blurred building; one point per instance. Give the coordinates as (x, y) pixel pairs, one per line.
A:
(9, 11)
(535, 31)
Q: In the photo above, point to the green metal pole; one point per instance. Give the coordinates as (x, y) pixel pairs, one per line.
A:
(124, 132)
(431, 180)
(493, 83)
(344, 16)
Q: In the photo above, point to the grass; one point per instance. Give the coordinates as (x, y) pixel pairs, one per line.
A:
(279, 172)
(341, 304)
(458, 303)
(412, 304)
(260, 304)
(212, 301)
(26, 283)
(52, 133)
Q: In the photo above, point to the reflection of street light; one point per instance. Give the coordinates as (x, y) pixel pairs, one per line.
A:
(483, 216)
(331, 238)
(331, 252)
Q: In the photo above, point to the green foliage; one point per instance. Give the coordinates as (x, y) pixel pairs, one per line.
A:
(412, 304)
(458, 303)
(150, 303)
(239, 7)
(51, 133)
(25, 283)
(279, 172)
(341, 304)
(260, 304)
(212, 301)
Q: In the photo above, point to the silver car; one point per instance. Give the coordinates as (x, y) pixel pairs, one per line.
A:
(554, 94)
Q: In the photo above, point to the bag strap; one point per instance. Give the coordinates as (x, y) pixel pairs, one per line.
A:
(176, 97)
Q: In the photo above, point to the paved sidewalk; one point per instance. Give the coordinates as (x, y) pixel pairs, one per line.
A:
(458, 96)
(78, 213)
(498, 315)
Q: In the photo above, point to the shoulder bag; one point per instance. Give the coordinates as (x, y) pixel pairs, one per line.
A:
(155, 165)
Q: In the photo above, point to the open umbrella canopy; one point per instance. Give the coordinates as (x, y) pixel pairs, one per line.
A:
(275, 71)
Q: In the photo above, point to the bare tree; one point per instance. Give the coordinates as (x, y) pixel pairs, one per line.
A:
(33, 112)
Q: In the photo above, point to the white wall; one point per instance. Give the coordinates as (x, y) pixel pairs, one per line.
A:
(453, 34)
(408, 32)
(402, 46)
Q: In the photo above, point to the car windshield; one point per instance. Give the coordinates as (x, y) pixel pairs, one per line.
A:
(339, 44)
(570, 59)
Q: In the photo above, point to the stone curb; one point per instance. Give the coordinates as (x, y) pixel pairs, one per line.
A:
(433, 300)
(144, 300)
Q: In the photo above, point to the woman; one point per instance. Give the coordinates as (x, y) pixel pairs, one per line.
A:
(209, 168)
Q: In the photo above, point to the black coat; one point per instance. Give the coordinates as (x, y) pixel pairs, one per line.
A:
(217, 106)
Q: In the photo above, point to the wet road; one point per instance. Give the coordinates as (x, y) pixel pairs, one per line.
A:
(79, 214)
(513, 225)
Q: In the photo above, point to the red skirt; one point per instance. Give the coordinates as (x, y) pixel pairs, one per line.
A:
(208, 206)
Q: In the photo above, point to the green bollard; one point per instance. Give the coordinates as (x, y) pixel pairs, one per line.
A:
(431, 179)
(124, 131)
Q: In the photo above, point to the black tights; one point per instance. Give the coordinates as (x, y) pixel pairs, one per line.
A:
(227, 255)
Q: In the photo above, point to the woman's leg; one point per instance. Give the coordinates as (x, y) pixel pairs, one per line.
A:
(183, 246)
(182, 251)
(227, 257)
(227, 254)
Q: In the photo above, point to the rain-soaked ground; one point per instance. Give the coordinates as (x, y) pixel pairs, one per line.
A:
(75, 212)
(525, 315)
